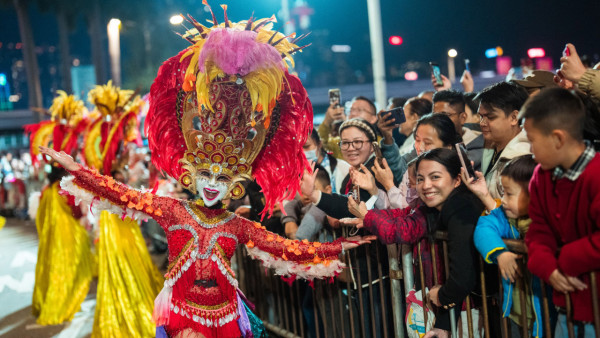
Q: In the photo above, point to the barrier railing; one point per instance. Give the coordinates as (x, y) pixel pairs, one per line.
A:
(350, 307)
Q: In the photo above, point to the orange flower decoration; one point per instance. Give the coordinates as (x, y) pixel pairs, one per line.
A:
(317, 260)
(250, 244)
(298, 252)
(312, 250)
(158, 212)
(270, 238)
(317, 244)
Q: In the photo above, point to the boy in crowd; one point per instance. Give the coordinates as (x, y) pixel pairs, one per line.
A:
(499, 106)
(563, 240)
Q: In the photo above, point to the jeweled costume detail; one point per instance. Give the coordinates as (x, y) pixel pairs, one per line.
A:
(221, 111)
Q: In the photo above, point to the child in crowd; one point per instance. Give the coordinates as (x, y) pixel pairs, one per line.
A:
(563, 240)
(511, 221)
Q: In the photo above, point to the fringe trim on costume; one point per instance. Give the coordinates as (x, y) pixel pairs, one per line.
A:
(96, 203)
(162, 306)
(305, 271)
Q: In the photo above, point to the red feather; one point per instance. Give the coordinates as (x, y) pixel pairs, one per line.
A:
(165, 138)
(280, 165)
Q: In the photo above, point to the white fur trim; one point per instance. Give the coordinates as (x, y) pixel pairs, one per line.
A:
(286, 268)
(98, 203)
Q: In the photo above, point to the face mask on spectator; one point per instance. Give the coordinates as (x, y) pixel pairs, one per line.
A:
(311, 155)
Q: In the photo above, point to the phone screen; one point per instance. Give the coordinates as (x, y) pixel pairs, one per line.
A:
(464, 160)
(335, 97)
(397, 115)
(467, 68)
(435, 70)
(378, 153)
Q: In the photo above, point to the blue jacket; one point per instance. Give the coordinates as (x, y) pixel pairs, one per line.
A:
(490, 231)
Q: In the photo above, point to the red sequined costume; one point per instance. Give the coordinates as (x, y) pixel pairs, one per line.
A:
(201, 243)
(223, 110)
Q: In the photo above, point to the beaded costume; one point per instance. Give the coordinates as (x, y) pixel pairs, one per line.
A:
(64, 263)
(221, 111)
(128, 280)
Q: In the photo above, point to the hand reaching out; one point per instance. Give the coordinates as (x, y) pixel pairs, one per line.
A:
(364, 179)
(386, 127)
(571, 67)
(479, 188)
(445, 86)
(62, 158)
(384, 174)
(352, 222)
(467, 81)
(358, 210)
(355, 241)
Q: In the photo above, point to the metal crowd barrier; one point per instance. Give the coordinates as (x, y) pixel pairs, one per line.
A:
(337, 308)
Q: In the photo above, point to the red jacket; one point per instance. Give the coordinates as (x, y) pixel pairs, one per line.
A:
(565, 230)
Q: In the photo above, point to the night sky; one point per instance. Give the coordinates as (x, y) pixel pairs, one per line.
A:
(429, 28)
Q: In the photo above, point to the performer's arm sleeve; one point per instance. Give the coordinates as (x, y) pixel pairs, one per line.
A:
(104, 193)
(304, 259)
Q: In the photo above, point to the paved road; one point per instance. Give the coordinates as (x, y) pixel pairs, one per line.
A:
(18, 255)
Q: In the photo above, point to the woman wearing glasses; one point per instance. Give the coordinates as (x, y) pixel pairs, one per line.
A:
(357, 137)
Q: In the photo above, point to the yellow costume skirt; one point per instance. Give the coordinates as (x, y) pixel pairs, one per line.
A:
(128, 281)
(64, 265)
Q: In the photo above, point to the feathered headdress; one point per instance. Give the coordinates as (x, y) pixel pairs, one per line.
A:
(117, 123)
(61, 132)
(228, 105)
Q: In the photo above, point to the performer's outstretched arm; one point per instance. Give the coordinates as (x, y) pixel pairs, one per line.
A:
(304, 259)
(104, 193)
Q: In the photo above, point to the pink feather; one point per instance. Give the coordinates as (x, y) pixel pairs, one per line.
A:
(237, 52)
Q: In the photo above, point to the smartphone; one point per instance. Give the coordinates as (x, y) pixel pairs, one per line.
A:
(378, 154)
(356, 193)
(397, 115)
(464, 160)
(467, 68)
(335, 97)
(437, 74)
(566, 52)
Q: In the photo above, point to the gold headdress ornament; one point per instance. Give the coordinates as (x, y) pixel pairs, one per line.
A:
(225, 99)
(61, 132)
(118, 109)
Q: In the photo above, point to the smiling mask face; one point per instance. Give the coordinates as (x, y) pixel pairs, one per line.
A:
(212, 187)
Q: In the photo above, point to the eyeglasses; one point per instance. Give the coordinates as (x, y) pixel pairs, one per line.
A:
(356, 144)
(360, 110)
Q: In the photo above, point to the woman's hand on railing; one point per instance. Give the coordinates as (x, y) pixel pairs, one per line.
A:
(62, 158)
(507, 263)
(355, 241)
(358, 210)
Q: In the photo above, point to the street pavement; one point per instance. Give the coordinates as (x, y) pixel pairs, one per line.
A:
(18, 255)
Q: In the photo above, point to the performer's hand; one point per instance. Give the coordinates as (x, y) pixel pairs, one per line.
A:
(62, 158)
(353, 242)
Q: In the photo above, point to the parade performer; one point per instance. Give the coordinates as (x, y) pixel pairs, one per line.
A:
(223, 110)
(64, 265)
(128, 280)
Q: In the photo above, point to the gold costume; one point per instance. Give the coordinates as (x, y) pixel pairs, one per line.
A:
(128, 280)
(64, 265)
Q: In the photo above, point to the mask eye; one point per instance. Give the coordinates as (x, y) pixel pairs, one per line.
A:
(223, 178)
(205, 174)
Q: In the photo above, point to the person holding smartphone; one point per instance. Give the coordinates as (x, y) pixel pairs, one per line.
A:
(361, 107)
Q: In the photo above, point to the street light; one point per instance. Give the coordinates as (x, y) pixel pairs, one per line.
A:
(114, 50)
(176, 19)
(452, 53)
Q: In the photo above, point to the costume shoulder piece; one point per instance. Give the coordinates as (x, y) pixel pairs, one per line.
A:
(227, 105)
